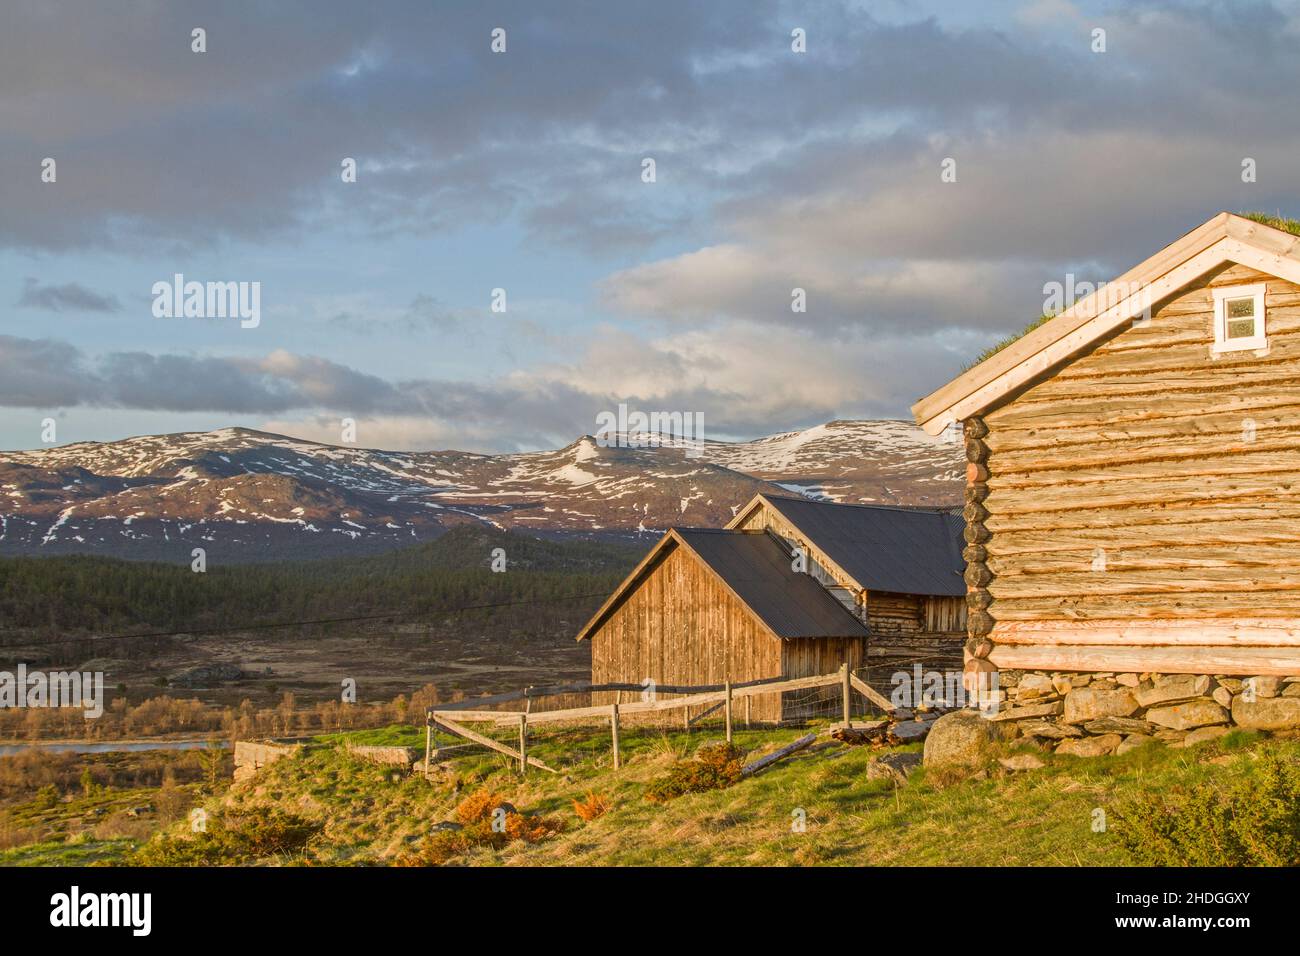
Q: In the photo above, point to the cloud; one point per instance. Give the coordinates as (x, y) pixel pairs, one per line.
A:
(70, 297)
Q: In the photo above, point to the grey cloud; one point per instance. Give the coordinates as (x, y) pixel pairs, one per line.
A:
(70, 297)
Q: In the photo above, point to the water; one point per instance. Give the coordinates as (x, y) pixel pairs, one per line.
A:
(111, 746)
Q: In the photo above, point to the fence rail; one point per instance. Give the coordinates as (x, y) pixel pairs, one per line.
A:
(451, 717)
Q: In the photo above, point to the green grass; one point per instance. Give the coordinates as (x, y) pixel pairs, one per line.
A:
(1277, 222)
(1044, 817)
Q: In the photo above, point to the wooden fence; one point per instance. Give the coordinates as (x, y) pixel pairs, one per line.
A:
(452, 717)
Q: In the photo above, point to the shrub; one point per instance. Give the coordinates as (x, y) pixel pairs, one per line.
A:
(232, 839)
(1254, 822)
(712, 768)
(596, 805)
(477, 813)
(479, 806)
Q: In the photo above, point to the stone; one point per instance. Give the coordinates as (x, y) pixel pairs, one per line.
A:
(1268, 713)
(1062, 683)
(1203, 735)
(205, 675)
(1120, 725)
(1267, 686)
(1291, 690)
(1171, 737)
(1021, 762)
(1090, 746)
(1231, 684)
(910, 731)
(1128, 680)
(1222, 696)
(1080, 680)
(1050, 709)
(962, 738)
(893, 767)
(1034, 685)
(1194, 713)
(1134, 741)
(1090, 703)
(1050, 729)
(1171, 688)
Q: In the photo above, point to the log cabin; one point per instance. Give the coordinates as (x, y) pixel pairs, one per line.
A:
(790, 588)
(1131, 501)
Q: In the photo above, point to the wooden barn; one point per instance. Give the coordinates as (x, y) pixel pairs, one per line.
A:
(1131, 501)
(791, 588)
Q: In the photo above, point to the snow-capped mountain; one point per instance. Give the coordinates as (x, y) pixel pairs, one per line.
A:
(248, 495)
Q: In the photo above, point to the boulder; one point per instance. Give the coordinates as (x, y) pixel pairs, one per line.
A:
(1171, 688)
(1222, 696)
(1203, 735)
(1050, 709)
(1046, 728)
(1022, 762)
(1120, 725)
(1091, 703)
(1194, 713)
(910, 731)
(1268, 713)
(895, 767)
(1267, 686)
(1090, 746)
(962, 738)
(1133, 742)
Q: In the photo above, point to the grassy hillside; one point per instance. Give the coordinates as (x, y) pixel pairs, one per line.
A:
(329, 807)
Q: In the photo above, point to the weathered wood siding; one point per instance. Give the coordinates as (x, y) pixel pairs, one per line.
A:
(1150, 481)
(682, 626)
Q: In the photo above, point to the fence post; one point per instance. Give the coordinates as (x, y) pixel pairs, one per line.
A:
(844, 675)
(613, 727)
(728, 685)
(748, 700)
(428, 743)
(523, 745)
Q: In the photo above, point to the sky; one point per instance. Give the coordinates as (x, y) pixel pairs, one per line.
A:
(524, 170)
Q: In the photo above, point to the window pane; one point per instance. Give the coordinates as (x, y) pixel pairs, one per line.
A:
(1241, 328)
(1241, 308)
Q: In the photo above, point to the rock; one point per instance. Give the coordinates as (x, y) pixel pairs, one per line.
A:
(1080, 680)
(1090, 746)
(1222, 696)
(1046, 728)
(895, 767)
(1120, 725)
(1062, 683)
(962, 738)
(449, 825)
(1269, 713)
(1133, 742)
(1090, 703)
(1231, 684)
(1021, 762)
(1173, 687)
(910, 731)
(1034, 685)
(1202, 735)
(1291, 690)
(1050, 709)
(1194, 713)
(1267, 686)
(1171, 737)
(1128, 680)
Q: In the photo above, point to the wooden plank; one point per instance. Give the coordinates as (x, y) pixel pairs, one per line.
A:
(871, 694)
(1259, 632)
(764, 762)
(491, 744)
(1239, 661)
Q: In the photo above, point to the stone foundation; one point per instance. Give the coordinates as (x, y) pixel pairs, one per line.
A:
(1100, 713)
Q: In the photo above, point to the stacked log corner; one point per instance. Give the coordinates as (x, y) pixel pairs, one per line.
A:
(979, 620)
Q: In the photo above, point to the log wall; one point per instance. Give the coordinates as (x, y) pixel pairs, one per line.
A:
(1147, 481)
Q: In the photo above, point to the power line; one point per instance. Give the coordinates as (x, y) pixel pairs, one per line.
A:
(237, 629)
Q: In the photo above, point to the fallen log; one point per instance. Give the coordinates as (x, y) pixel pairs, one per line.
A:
(764, 762)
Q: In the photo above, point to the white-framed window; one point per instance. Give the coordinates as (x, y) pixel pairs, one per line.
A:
(1239, 318)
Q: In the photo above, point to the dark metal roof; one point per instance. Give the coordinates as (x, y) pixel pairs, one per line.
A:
(885, 548)
(757, 568)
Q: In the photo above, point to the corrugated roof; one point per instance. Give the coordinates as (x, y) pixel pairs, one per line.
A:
(885, 548)
(757, 568)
